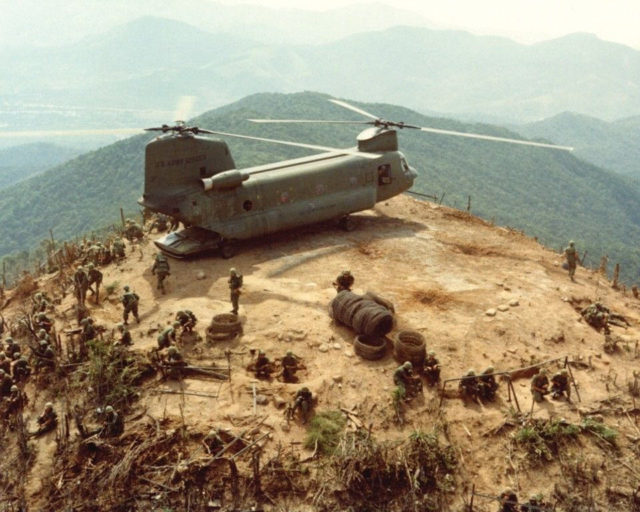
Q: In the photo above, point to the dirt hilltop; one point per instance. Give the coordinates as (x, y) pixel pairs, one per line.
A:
(481, 295)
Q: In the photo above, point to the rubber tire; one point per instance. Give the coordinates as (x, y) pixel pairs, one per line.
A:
(228, 249)
(370, 347)
(225, 323)
(410, 346)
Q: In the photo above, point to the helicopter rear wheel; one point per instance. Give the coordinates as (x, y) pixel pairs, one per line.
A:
(228, 249)
(347, 223)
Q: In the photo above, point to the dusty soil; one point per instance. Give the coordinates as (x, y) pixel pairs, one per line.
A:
(443, 270)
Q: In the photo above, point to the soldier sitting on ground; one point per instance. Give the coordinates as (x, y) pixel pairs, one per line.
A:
(15, 401)
(45, 356)
(213, 442)
(113, 423)
(303, 401)
(11, 347)
(5, 384)
(175, 362)
(560, 385)
(469, 387)
(89, 331)
(5, 364)
(540, 385)
(289, 367)
(168, 336)
(487, 385)
(43, 335)
(187, 320)
(161, 270)
(508, 501)
(408, 384)
(130, 301)
(432, 368)
(263, 367)
(47, 421)
(124, 335)
(344, 281)
(42, 321)
(40, 303)
(535, 504)
(21, 369)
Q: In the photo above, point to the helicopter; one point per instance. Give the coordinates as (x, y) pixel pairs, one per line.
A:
(193, 179)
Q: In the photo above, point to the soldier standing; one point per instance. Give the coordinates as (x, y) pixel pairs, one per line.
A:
(81, 284)
(344, 281)
(130, 302)
(235, 283)
(94, 276)
(161, 270)
(572, 259)
(118, 249)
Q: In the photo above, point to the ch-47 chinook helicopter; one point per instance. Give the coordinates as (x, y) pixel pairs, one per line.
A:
(193, 179)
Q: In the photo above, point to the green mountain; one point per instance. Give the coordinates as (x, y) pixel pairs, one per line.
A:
(614, 146)
(548, 193)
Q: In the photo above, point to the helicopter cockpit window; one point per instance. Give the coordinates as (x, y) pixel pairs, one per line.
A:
(247, 205)
(384, 174)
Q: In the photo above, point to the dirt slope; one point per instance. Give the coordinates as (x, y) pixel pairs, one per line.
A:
(443, 270)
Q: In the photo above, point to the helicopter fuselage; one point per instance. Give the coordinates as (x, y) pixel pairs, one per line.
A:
(193, 179)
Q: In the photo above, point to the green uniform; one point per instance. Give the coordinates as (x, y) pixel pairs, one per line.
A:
(560, 385)
(113, 425)
(81, 285)
(235, 283)
(161, 270)
(130, 302)
(118, 248)
(166, 338)
(187, 320)
(432, 370)
(94, 277)
(572, 259)
(487, 386)
(289, 368)
(539, 386)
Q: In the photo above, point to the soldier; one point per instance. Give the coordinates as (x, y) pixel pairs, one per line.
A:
(175, 362)
(21, 369)
(11, 347)
(161, 270)
(289, 367)
(303, 401)
(15, 401)
(40, 303)
(572, 259)
(468, 386)
(432, 368)
(43, 335)
(133, 231)
(487, 385)
(47, 421)
(540, 385)
(130, 302)
(89, 331)
(168, 336)
(125, 335)
(42, 321)
(535, 504)
(213, 442)
(187, 320)
(263, 367)
(118, 249)
(113, 424)
(344, 281)
(80, 284)
(5, 364)
(5, 383)
(94, 276)
(159, 222)
(235, 283)
(45, 357)
(408, 383)
(560, 385)
(508, 501)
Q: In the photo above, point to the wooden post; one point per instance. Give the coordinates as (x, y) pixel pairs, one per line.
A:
(515, 397)
(469, 204)
(566, 365)
(473, 492)
(616, 276)
(122, 217)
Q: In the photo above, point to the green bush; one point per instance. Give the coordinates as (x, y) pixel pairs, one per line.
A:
(325, 430)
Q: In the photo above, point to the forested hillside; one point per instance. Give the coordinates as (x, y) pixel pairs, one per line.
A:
(548, 193)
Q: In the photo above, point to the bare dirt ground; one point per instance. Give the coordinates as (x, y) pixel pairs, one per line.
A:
(443, 270)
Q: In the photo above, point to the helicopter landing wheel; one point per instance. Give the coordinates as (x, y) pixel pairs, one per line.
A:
(228, 249)
(347, 223)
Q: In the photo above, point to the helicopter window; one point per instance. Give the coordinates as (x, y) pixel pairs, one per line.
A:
(247, 205)
(384, 174)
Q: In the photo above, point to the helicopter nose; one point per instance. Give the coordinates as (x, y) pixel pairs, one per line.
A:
(413, 172)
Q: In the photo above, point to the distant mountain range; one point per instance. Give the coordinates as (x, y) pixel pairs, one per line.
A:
(548, 193)
(138, 72)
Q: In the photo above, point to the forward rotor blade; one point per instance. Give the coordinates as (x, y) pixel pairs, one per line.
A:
(355, 152)
(306, 121)
(495, 139)
(355, 109)
(68, 133)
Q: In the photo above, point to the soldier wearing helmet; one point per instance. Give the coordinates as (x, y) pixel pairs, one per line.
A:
(468, 386)
(432, 368)
(408, 384)
(168, 336)
(289, 367)
(235, 283)
(487, 385)
(263, 366)
(508, 500)
(129, 301)
(113, 424)
(303, 400)
(572, 259)
(344, 281)
(94, 277)
(48, 420)
(560, 385)
(540, 385)
(161, 270)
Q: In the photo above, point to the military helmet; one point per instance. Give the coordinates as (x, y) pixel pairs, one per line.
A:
(48, 406)
(490, 369)
(16, 355)
(172, 350)
(535, 498)
(22, 358)
(571, 243)
(160, 256)
(41, 316)
(43, 343)
(543, 371)
(564, 372)
(120, 325)
(304, 390)
(289, 353)
(1, 371)
(2, 356)
(176, 324)
(407, 365)
(126, 287)
(14, 388)
(432, 353)
(42, 333)
(260, 352)
(233, 271)
(471, 373)
(91, 266)
(108, 409)
(346, 272)
(38, 296)
(9, 340)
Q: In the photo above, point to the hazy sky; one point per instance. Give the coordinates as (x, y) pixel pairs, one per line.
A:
(523, 20)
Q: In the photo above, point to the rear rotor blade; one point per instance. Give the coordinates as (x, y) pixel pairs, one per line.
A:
(306, 121)
(355, 109)
(68, 133)
(349, 151)
(493, 138)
